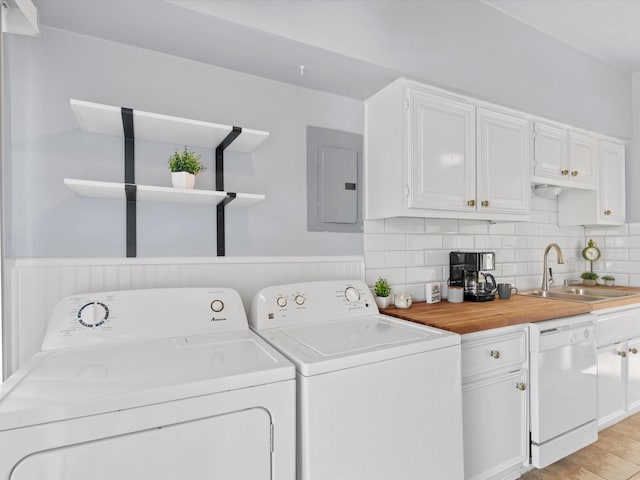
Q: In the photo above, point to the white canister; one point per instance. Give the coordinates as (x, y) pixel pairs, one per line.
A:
(456, 294)
(402, 300)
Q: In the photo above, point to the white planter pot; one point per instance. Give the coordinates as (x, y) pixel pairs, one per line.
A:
(609, 283)
(383, 302)
(590, 283)
(183, 179)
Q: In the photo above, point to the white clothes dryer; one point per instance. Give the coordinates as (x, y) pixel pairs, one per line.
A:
(378, 397)
(151, 384)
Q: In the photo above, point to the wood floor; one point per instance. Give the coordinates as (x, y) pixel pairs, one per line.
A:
(615, 456)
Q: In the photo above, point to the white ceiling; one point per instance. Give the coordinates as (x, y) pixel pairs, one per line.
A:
(350, 47)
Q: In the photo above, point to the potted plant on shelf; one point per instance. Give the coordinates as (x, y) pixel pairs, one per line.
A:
(589, 279)
(608, 280)
(382, 293)
(184, 167)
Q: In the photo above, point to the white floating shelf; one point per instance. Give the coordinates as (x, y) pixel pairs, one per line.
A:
(90, 188)
(107, 119)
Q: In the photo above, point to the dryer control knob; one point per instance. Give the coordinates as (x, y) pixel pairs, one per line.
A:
(217, 306)
(300, 299)
(93, 314)
(281, 301)
(352, 294)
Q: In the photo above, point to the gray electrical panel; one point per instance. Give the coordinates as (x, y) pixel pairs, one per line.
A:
(334, 180)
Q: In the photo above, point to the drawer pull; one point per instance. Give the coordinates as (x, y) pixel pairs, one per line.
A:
(485, 203)
(622, 354)
(633, 350)
(495, 354)
(565, 172)
(574, 173)
(471, 203)
(607, 212)
(521, 386)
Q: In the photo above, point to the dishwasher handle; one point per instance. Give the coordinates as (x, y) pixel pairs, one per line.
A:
(553, 338)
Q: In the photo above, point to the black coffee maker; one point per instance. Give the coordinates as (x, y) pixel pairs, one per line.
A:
(467, 270)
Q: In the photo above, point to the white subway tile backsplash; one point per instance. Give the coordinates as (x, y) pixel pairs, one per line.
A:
(374, 226)
(375, 259)
(487, 242)
(437, 225)
(436, 257)
(393, 275)
(423, 275)
(404, 225)
(458, 242)
(379, 241)
(404, 259)
(421, 242)
(473, 226)
(502, 229)
(526, 229)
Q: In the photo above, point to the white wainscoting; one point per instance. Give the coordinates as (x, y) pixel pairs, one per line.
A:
(36, 285)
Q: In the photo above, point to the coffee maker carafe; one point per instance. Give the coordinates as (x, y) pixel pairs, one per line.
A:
(467, 270)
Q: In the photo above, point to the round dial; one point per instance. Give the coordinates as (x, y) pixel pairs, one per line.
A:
(217, 306)
(352, 294)
(300, 299)
(281, 301)
(591, 252)
(93, 314)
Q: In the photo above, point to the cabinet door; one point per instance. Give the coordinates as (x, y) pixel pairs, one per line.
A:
(633, 375)
(611, 198)
(442, 155)
(495, 423)
(583, 154)
(551, 152)
(611, 391)
(503, 162)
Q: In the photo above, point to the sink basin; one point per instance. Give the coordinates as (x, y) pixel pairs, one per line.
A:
(579, 294)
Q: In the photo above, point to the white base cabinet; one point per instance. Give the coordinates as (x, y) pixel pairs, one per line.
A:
(495, 403)
(618, 337)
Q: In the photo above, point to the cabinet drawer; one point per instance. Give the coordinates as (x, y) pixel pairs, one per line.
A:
(493, 354)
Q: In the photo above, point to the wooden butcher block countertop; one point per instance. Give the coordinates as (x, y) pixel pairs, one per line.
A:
(470, 317)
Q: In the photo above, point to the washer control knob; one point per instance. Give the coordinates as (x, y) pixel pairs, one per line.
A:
(300, 299)
(281, 301)
(93, 314)
(352, 294)
(217, 306)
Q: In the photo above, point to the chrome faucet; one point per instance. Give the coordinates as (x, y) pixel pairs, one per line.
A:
(545, 269)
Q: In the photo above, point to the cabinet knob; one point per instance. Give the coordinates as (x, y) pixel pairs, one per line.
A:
(633, 350)
(565, 172)
(607, 212)
(521, 386)
(622, 353)
(574, 173)
(485, 203)
(495, 354)
(471, 203)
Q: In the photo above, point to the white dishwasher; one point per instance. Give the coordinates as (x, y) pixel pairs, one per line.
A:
(563, 387)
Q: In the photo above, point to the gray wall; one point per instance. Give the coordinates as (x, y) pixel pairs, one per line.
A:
(48, 220)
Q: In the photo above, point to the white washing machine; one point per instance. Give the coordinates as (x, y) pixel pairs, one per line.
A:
(378, 397)
(152, 384)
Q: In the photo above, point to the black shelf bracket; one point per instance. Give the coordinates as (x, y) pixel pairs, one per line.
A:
(129, 179)
(220, 208)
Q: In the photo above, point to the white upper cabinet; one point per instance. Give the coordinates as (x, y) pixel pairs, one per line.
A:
(604, 206)
(611, 198)
(504, 156)
(442, 158)
(433, 154)
(564, 157)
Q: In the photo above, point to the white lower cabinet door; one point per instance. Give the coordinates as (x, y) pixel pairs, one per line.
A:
(633, 375)
(495, 425)
(611, 383)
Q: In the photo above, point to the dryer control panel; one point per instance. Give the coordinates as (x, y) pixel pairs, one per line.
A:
(310, 302)
(131, 315)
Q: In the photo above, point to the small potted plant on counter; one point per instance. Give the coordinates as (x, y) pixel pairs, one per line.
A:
(590, 279)
(382, 293)
(184, 167)
(609, 280)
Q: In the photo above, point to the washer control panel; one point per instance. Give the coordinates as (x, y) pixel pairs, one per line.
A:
(309, 302)
(130, 315)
